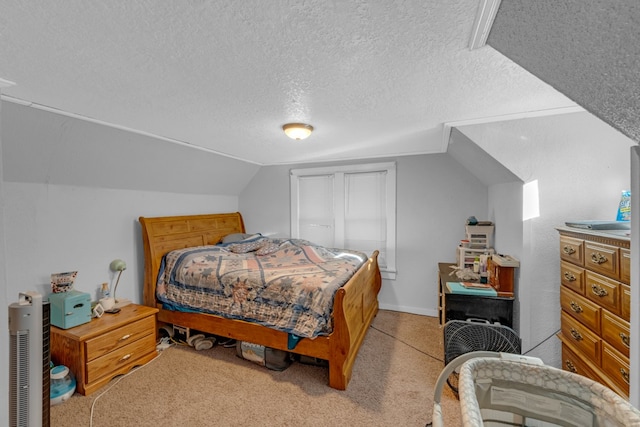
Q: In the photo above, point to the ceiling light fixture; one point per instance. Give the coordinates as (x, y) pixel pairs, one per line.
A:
(297, 131)
(487, 10)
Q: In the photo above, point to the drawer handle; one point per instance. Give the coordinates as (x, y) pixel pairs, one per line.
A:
(598, 258)
(625, 375)
(599, 290)
(126, 337)
(575, 307)
(570, 366)
(125, 357)
(568, 250)
(576, 335)
(625, 339)
(569, 277)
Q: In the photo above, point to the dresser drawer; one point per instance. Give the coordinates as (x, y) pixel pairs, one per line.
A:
(572, 249)
(123, 356)
(120, 337)
(603, 291)
(572, 276)
(580, 308)
(625, 302)
(573, 363)
(602, 258)
(581, 337)
(616, 366)
(625, 265)
(616, 332)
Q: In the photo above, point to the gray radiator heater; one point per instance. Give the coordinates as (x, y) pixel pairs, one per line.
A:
(29, 357)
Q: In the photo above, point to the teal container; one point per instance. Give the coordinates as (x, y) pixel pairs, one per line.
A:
(69, 309)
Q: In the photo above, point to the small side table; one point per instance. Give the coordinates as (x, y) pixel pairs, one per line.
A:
(462, 307)
(107, 346)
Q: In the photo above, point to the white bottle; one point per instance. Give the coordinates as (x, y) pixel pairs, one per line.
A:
(476, 265)
(105, 292)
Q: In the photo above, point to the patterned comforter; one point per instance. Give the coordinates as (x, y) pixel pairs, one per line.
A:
(285, 284)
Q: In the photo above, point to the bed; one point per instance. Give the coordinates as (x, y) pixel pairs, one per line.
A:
(355, 304)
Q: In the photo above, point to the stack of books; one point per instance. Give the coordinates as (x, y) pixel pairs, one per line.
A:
(471, 288)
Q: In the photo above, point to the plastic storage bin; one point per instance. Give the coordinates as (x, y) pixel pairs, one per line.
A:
(479, 236)
(466, 256)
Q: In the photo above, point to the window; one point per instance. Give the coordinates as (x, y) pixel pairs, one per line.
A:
(352, 207)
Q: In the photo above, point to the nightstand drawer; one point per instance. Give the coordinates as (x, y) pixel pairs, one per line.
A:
(580, 308)
(120, 337)
(123, 356)
(581, 337)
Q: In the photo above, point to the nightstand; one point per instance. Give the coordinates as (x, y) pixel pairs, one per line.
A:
(452, 306)
(107, 346)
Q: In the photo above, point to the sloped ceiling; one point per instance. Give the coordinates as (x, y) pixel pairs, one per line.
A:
(374, 78)
(587, 49)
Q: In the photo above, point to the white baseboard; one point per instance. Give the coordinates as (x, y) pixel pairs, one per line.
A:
(412, 310)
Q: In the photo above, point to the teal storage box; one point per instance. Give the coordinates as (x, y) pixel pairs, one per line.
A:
(69, 309)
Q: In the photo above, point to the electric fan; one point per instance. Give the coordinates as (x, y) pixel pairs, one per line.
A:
(462, 337)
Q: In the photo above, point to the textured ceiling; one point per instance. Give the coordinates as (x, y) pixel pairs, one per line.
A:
(375, 78)
(588, 49)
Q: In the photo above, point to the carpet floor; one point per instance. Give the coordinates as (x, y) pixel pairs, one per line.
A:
(392, 385)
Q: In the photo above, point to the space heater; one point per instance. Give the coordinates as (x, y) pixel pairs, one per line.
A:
(29, 358)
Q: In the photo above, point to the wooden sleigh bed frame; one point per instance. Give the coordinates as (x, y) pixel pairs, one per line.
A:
(355, 304)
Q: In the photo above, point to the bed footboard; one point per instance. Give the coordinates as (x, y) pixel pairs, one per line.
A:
(355, 306)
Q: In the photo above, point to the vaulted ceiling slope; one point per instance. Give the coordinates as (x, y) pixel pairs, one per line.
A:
(588, 49)
(375, 78)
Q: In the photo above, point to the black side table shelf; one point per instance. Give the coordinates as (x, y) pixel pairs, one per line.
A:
(463, 307)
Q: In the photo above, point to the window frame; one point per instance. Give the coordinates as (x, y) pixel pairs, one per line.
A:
(338, 172)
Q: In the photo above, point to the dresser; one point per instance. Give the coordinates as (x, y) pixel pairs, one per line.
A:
(595, 305)
(107, 346)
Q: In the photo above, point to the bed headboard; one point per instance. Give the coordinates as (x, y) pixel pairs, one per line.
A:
(163, 234)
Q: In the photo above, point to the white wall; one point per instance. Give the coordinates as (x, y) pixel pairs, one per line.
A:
(505, 210)
(581, 165)
(71, 192)
(435, 196)
(45, 147)
(4, 295)
(53, 228)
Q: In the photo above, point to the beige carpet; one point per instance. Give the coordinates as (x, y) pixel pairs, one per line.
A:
(392, 385)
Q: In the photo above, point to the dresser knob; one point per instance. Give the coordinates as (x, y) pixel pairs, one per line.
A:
(125, 337)
(570, 366)
(126, 357)
(598, 258)
(569, 277)
(599, 290)
(575, 307)
(625, 339)
(568, 250)
(576, 335)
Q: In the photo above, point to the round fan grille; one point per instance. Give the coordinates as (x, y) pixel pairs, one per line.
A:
(462, 337)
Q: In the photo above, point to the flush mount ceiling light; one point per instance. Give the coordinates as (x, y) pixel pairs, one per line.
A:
(297, 131)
